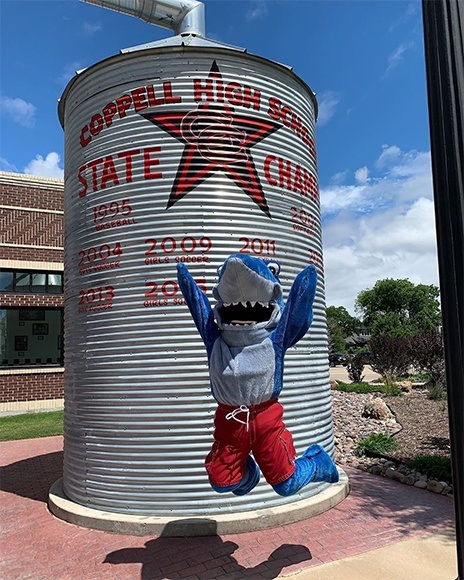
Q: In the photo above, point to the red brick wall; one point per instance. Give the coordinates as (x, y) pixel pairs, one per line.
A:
(31, 300)
(23, 222)
(31, 387)
(21, 226)
(46, 196)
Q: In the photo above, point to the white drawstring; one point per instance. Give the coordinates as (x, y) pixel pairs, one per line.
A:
(235, 412)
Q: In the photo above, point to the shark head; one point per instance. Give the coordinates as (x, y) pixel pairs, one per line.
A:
(248, 293)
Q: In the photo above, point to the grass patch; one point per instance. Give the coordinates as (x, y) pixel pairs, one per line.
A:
(31, 425)
(436, 392)
(363, 388)
(379, 443)
(415, 378)
(435, 466)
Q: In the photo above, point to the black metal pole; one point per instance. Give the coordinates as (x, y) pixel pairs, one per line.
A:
(444, 59)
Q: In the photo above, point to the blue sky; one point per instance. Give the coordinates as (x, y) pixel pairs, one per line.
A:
(364, 59)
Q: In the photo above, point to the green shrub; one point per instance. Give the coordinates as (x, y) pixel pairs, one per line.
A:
(366, 388)
(436, 392)
(355, 367)
(435, 466)
(361, 388)
(391, 389)
(379, 443)
(415, 377)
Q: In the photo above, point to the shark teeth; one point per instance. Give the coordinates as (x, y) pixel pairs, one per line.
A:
(245, 303)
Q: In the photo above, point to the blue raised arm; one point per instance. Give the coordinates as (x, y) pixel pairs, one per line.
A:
(199, 306)
(298, 312)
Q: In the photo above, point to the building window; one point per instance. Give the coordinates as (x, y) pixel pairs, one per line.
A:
(30, 282)
(31, 337)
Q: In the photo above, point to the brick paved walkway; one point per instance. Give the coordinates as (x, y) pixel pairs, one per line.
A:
(38, 546)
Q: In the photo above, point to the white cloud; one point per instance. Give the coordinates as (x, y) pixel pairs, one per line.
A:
(5, 165)
(395, 58)
(382, 228)
(69, 70)
(411, 10)
(338, 178)
(327, 101)
(91, 28)
(19, 111)
(362, 175)
(405, 177)
(389, 155)
(412, 230)
(258, 9)
(48, 167)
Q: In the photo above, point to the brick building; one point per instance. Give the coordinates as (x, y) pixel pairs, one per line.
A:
(31, 292)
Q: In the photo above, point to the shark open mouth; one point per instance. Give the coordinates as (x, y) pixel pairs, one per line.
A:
(242, 313)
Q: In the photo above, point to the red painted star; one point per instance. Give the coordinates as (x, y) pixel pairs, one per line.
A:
(216, 139)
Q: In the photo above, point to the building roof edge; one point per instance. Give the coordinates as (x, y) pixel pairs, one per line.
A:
(31, 180)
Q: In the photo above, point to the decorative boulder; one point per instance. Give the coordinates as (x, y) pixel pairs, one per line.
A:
(405, 386)
(377, 409)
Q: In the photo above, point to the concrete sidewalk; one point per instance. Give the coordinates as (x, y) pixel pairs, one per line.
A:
(430, 557)
(383, 529)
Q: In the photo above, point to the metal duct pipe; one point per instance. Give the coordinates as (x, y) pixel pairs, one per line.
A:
(181, 16)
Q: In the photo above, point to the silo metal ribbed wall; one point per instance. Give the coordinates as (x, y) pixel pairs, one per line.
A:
(178, 154)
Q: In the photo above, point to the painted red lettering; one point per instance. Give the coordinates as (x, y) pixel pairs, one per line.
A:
(274, 108)
(200, 89)
(85, 139)
(82, 180)
(109, 112)
(109, 173)
(285, 173)
(152, 100)
(137, 98)
(93, 166)
(297, 182)
(168, 96)
(283, 115)
(267, 169)
(127, 155)
(123, 103)
(148, 162)
(96, 124)
(234, 94)
(251, 96)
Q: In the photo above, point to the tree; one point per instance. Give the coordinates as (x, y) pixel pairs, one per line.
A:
(340, 325)
(355, 367)
(427, 353)
(399, 308)
(390, 357)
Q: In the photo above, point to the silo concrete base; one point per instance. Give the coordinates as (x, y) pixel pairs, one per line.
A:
(248, 521)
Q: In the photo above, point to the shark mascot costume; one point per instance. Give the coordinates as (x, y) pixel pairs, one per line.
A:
(246, 336)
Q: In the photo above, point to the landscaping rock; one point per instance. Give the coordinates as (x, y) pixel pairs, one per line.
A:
(390, 473)
(405, 386)
(421, 484)
(377, 409)
(436, 486)
(351, 426)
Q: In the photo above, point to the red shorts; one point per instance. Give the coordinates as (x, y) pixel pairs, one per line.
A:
(263, 432)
